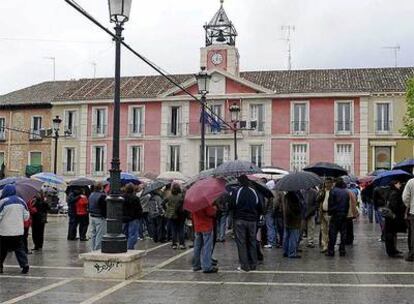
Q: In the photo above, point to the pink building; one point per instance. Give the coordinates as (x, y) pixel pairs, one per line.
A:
(300, 117)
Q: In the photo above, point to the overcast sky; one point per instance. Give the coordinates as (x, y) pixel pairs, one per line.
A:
(329, 34)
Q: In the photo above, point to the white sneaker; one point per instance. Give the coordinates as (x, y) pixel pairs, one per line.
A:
(268, 246)
(239, 269)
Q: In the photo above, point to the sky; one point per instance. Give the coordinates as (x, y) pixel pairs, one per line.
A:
(328, 34)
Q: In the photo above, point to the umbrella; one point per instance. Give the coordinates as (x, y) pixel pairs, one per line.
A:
(203, 174)
(377, 172)
(386, 177)
(172, 175)
(11, 180)
(51, 179)
(27, 189)
(155, 185)
(237, 168)
(129, 178)
(233, 184)
(350, 178)
(298, 181)
(274, 171)
(83, 181)
(406, 165)
(326, 169)
(150, 175)
(366, 180)
(203, 193)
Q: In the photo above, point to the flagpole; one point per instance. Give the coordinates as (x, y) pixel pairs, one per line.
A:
(203, 132)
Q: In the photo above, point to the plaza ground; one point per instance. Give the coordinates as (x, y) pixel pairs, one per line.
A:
(365, 275)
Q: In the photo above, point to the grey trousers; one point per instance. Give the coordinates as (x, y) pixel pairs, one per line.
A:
(410, 239)
(245, 232)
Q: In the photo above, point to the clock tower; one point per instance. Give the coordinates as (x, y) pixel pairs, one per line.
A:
(220, 51)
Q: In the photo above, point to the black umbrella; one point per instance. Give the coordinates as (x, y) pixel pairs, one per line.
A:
(237, 168)
(298, 181)
(406, 165)
(232, 184)
(155, 185)
(83, 181)
(377, 172)
(326, 169)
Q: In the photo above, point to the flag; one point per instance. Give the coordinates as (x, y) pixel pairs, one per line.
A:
(212, 121)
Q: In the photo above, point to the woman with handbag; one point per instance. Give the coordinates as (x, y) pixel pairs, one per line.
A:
(394, 219)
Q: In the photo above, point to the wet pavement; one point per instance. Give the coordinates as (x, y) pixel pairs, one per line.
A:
(365, 275)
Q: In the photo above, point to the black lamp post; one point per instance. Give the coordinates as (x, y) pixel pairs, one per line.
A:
(114, 241)
(235, 111)
(56, 124)
(203, 81)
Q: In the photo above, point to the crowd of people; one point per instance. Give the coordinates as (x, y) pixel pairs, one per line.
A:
(256, 220)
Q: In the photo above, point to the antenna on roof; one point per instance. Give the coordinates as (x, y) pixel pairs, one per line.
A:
(288, 31)
(395, 49)
(93, 63)
(53, 59)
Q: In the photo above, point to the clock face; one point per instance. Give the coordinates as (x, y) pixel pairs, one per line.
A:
(216, 58)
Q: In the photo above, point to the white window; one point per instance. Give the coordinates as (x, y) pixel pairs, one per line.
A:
(98, 165)
(215, 156)
(2, 128)
(71, 123)
(300, 118)
(344, 156)
(174, 164)
(344, 117)
(100, 120)
(137, 121)
(256, 152)
(257, 116)
(136, 158)
(69, 162)
(36, 127)
(299, 157)
(35, 158)
(174, 126)
(383, 123)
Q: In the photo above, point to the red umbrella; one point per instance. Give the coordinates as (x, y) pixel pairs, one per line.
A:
(203, 193)
(366, 180)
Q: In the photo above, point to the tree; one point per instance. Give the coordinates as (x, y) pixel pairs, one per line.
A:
(408, 119)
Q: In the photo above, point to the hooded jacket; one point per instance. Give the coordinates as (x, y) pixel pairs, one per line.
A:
(13, 212)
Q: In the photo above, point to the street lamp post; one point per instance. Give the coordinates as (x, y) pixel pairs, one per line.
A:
(114, 241)
(235, 111)
(56, 124)
(203, 81)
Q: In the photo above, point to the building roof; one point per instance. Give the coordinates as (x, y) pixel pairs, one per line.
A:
(220, 18)
(39, 94)
(376, 80)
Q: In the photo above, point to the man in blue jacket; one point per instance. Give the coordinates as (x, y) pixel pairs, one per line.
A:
(13, 213)
(338, 207)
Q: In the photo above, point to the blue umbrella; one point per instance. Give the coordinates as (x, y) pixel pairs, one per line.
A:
(406, 165)
(377, 172)
(11, 180)
(51, 179)
(128, 178)
(385, 178)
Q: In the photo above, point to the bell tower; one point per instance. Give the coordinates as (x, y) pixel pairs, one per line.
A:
(220, 50)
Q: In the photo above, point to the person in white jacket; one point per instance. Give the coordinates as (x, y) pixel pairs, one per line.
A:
(408, 199)
(13, 213)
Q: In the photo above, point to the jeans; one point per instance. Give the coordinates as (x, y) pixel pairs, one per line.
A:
(245, 232)
(16, 244)
(158, 229)
(337, 224)
(177, 230)
(203, 249)
(98, 229)
(271, 230)
(221, 225)
(130, 230)
(370, 209)
(291, 242)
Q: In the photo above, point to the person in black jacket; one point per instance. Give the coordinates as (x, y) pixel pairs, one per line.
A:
(338, 208)
(39, 220)
(97, 212)
(132, 212)
(247, 207)
(395, 222)
(73, 196)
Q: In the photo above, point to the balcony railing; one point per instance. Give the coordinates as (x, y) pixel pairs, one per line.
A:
(256, 127)
(174, 167)
(99, 130)
(136, 130)
(343, 127)
(100, 172)
(175, 129)
(383, 127)
(2, 135)
(35, 134)
(299, 127)
(136, 168)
